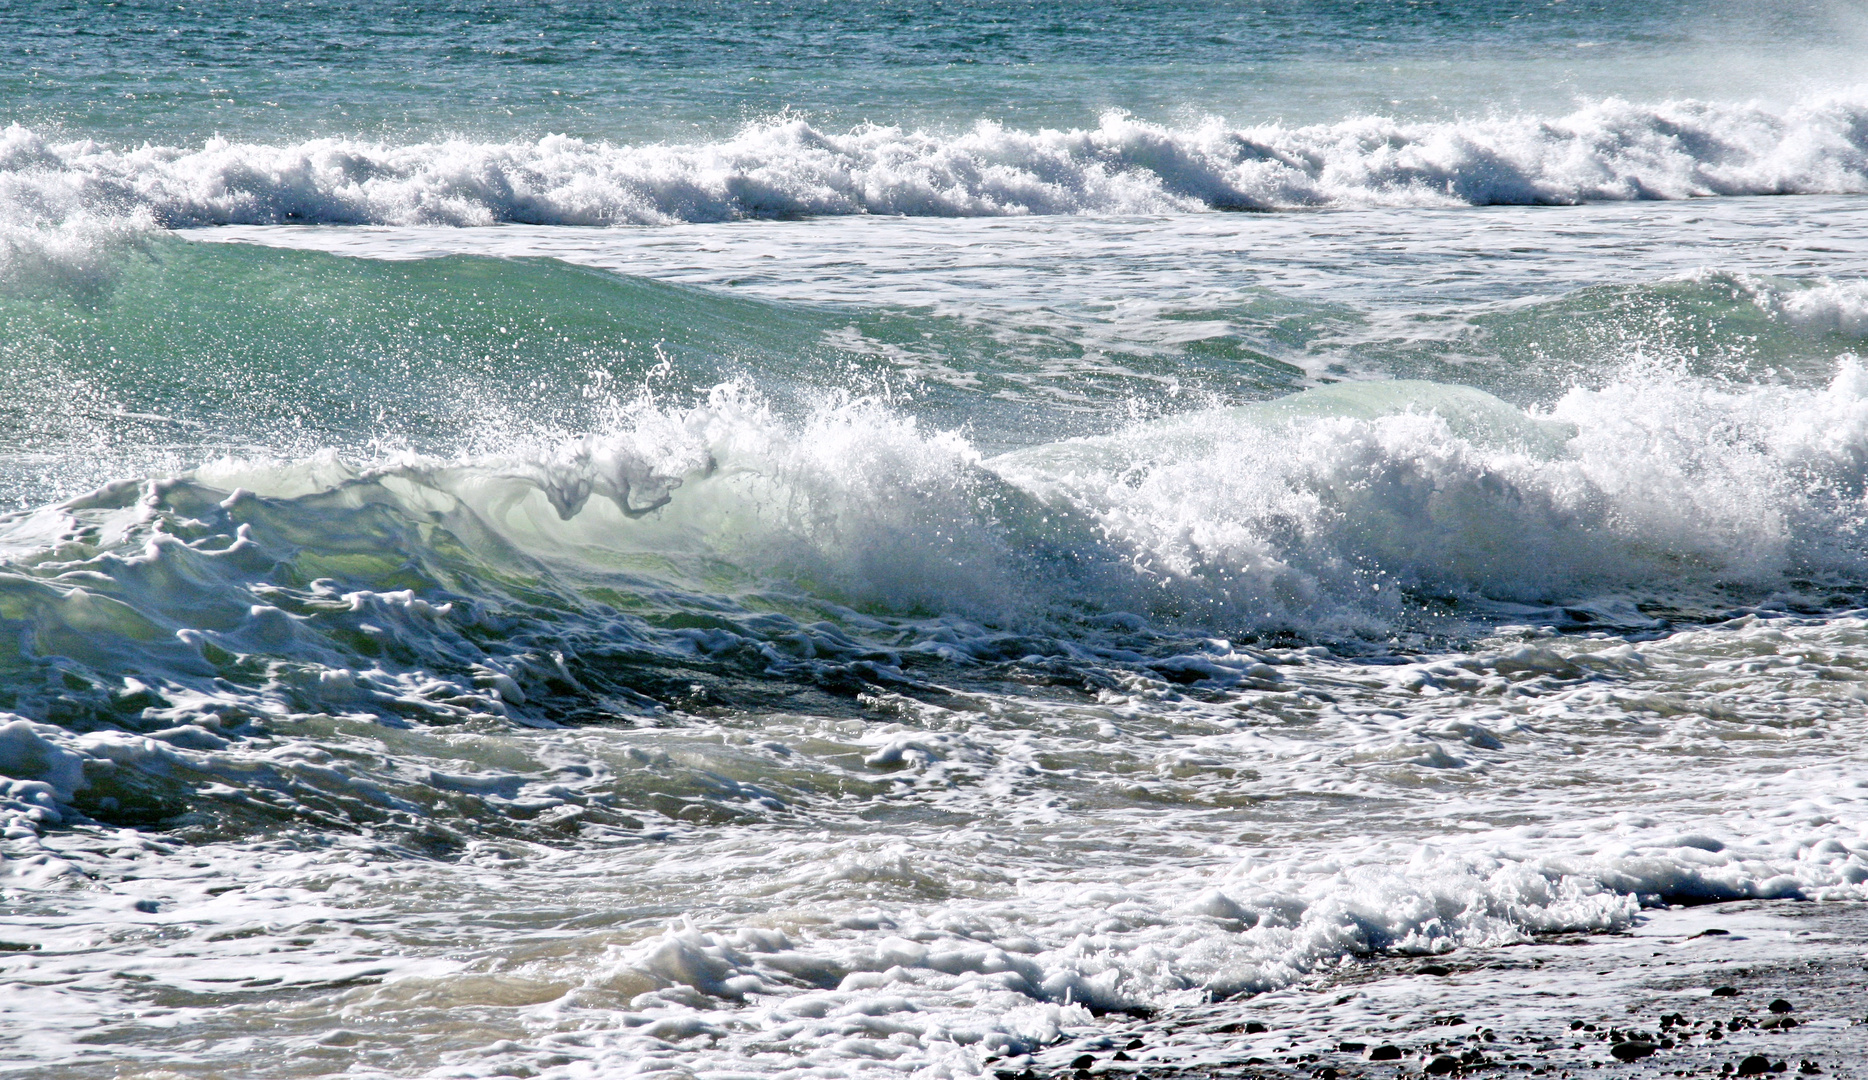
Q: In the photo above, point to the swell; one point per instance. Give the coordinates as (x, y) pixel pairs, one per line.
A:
(148, 361)
(173, 353)
(1609, 150)
(153, 356)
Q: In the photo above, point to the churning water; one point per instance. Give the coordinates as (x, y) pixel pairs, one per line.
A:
(823, 540)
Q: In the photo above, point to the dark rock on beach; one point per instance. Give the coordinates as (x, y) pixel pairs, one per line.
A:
(1633, 1050)
(1631, 1006)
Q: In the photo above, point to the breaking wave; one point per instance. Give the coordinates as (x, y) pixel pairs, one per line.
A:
(713, 616)
(852, 547)
(1610, 150)
(1823, 306)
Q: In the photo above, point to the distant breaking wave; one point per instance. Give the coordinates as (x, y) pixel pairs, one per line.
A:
(1611, 150)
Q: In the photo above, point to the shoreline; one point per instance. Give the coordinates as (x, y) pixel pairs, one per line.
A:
(1557, 1006)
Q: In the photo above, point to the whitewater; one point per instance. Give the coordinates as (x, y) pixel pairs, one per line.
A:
(932, 540)
(1610, 150)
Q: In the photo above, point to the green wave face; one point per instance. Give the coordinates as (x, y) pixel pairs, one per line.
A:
(1716, 326)
(182, 352)
(162, 354)
(474, 491)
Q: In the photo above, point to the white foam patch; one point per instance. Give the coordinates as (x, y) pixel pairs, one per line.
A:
(38, 775)
(957, 948)
(1331, 513)
(1286, 513)
(1824, 306)
(1610, 150)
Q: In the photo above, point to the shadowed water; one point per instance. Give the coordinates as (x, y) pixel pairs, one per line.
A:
(810, 541)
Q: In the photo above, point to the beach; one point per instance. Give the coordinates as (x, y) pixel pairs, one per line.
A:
(933, 539)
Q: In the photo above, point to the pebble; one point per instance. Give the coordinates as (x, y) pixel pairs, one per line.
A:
(1781, 1006)
(1726, 991)
(1632, 1050)
(1385, 1052)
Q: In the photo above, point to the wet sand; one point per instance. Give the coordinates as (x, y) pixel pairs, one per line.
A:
(1688, 992)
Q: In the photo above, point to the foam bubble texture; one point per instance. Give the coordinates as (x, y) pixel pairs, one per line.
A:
(1823, 306)
(1608, 150)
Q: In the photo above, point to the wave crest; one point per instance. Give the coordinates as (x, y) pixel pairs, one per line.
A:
(1609, 150)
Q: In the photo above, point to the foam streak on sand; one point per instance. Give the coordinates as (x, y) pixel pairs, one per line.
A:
(1048, 896)
(1610, 150)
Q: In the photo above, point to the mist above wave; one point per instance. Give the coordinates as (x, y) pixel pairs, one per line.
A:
(850, 547)
(1609, 150)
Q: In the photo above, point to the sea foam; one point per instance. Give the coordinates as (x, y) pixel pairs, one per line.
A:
(1357, 513)
(1823, 306)
(386, 652)
(1609, 150)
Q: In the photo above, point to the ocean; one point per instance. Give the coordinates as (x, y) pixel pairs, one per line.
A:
(908, 537)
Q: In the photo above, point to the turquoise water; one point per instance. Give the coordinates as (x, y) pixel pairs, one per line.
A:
(824, 540)
(181, 73)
